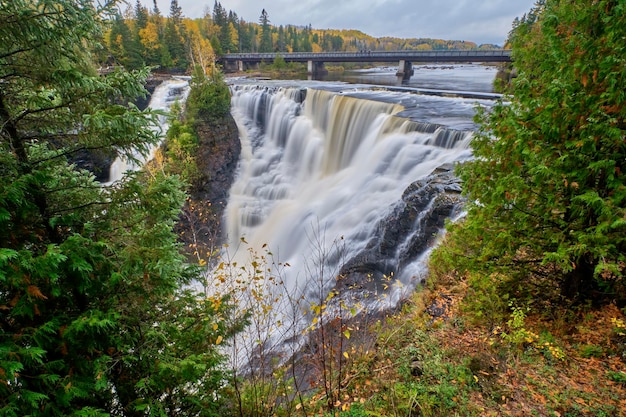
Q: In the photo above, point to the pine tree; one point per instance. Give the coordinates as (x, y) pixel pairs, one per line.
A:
(174, 39)
(125, 48)
(305, 42)
(266, 33)
(548, 185)
(176, 12)
(94, 319)
(141, 22)
(245, 36)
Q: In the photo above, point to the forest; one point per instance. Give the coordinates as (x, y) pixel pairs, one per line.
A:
(523, 310)
(140, 36)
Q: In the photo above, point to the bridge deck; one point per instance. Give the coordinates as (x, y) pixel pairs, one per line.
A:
(500, 55)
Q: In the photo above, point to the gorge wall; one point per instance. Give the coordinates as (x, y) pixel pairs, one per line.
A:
(200, 225)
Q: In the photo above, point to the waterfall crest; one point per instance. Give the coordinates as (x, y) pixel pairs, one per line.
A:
(318, 167)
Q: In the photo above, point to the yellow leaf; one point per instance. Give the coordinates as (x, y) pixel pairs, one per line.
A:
(219, 340)
(345, 354)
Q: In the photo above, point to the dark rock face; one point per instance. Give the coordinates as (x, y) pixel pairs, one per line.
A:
(151, 84)
(200, 227)
(217, 159)
(96, 162)
(409, 229)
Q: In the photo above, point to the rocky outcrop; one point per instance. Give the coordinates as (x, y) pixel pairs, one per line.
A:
(98, 162)
(217, 158)
(200, 227)
(408, 231)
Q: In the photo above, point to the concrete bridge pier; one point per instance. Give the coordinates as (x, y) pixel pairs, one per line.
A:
(405, 70)
(239, 65)
(245, 66)
(316, 68)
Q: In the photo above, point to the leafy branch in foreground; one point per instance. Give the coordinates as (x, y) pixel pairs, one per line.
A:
(94, 316)
(548, 181)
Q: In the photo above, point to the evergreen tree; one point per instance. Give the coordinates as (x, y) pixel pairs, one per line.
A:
(141, 16)
(266, 33)
(305, 42)
(141, 22)
(174, 39)
(216, 45)
(219, 14)
(209, 98)
(282, 40)
(245, 36)
(176, 12)
(125, 48)
(548, 186)
(293, 35)
(226, 37)
(94, 319)
(155, 8)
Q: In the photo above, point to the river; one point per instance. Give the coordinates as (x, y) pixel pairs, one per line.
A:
(324, 175)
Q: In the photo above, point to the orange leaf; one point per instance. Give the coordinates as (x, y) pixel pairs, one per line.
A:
(34, 291)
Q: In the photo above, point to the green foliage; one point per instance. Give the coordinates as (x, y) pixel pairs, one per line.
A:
(209, 98)
(180, 152)
(94, 320)
(138, 35)
(266, 35)
(440, 388)
(208, 101)
(460, 258)
(619, 377)
(486, 301)
(547, 187)
(591, 351)
(125, 47)
(279, 63)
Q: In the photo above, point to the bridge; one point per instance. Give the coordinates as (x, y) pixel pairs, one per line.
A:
(315, 61)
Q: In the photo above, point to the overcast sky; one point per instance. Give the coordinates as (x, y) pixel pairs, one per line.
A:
(480, 21)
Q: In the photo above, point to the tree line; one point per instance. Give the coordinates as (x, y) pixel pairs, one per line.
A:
(144, 36)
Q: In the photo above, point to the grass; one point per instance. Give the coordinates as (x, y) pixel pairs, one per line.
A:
(464, 364)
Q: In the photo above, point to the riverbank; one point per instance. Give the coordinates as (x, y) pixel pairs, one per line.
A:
(445, 353)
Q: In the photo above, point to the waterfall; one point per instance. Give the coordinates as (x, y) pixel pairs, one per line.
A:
(319, 173)
(164, 96)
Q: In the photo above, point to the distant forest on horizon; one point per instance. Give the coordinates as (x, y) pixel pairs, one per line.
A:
(141, 36)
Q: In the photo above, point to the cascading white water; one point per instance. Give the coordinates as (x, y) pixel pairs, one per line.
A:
(164, 96)
(326, 169)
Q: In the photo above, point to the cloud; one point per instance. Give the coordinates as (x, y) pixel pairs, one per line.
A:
(486, 21)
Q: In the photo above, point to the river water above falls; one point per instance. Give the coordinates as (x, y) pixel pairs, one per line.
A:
(346, 185)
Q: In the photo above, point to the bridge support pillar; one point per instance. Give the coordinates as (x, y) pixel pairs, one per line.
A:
(239, 65)
(316, 68)
(405, 69)
(250, 66)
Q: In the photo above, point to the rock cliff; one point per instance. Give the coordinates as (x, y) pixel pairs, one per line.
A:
(408, 231)
(200, 226)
